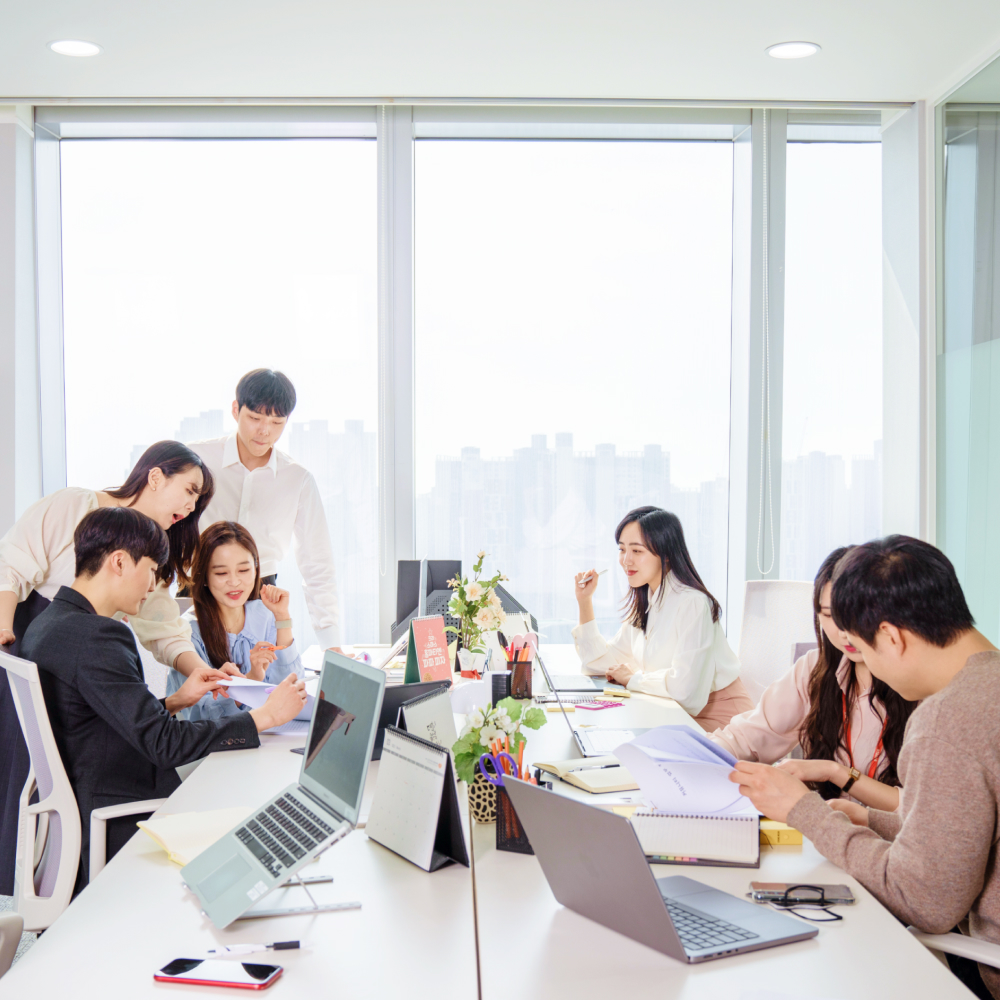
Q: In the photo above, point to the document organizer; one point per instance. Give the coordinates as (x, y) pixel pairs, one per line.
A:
(415, 812)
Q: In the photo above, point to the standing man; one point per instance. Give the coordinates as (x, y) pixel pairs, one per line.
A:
(274, 498)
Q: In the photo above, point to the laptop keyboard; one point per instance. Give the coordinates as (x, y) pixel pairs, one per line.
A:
(698, 931)
(283, 834)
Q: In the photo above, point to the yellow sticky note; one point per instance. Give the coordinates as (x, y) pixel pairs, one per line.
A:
(558, 708)
(778, 834)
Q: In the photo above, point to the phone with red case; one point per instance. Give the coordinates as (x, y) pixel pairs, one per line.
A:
(217, 972)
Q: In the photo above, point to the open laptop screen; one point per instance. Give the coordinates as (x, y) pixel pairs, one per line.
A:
(345, 718)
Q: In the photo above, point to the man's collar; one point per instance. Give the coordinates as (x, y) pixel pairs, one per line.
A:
(231, 455)
(74, 597)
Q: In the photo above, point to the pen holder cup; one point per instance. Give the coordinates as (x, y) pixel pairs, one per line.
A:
(501, 685)
(510, 833)
(520, 679)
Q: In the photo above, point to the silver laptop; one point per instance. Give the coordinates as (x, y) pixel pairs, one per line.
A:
(302, 821)
(594, 741)
(582, 683)
(687, 920)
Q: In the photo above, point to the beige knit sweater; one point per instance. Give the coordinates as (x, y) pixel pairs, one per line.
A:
(935, 860)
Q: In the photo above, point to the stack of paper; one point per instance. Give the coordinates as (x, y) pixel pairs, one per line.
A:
(185, 835)
(683, 772)
(254, 693)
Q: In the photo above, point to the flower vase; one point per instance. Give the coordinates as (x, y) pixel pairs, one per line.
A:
(483, 800)
(470, 663)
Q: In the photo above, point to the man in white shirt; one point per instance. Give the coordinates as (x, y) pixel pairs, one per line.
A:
(274, 498)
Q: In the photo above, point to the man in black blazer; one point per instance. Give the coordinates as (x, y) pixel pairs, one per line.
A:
(117, 742)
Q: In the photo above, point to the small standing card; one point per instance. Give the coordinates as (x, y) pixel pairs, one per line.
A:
(427, 651)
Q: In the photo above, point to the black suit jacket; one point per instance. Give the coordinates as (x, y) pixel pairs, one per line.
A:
(117, 742)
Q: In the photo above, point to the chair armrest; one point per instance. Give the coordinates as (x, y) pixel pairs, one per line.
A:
(99, 828)
(978, 950)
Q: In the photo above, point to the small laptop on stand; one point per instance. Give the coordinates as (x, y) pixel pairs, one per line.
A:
(303, 820)
(685, 919)
(594, 741)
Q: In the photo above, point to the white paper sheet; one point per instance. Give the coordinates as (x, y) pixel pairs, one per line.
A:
(255, 693)
(681, 771)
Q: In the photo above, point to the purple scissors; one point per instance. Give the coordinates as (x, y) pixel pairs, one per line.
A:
(497, 777)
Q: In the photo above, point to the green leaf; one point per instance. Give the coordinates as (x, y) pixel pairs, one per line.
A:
(467, 743)
(465, 766)
(534, 718)
(513, 708)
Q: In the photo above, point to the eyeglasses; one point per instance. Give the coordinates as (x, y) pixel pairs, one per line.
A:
(809, 898)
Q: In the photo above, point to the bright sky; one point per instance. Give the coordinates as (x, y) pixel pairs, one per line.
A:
(185, 264)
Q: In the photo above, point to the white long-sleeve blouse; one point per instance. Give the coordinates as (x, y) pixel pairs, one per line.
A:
(38, 554)
(682, 655)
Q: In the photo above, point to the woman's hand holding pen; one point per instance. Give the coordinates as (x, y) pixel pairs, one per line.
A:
(261, 657)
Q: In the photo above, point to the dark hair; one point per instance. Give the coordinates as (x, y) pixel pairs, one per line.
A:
(110, 529)
(905, 582)
(206, 608)
(822, 733)
(664, 537)
(266, 391)
(171, 457)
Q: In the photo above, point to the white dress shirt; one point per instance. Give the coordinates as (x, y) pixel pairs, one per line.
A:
(277, 503)
(38, 554)
(682, 655)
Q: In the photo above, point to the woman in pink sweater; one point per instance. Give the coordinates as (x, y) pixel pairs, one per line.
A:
(849, 724)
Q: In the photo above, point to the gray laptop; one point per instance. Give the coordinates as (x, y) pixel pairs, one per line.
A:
(582, 683)
(302, 821)
(594, 741)
(595, 866)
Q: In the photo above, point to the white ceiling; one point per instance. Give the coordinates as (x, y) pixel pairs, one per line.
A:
(873, 50)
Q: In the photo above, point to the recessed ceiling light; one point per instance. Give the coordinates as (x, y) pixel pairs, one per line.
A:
(793, 50)
(74, 47)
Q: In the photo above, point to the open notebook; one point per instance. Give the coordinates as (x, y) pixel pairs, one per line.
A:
(728, 841)
(185, 835)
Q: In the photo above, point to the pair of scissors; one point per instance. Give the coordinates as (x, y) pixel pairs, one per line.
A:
(498, 772)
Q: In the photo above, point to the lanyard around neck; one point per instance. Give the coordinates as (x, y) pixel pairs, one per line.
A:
(873, 766)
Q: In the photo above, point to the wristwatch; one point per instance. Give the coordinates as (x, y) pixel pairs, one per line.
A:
(284, 624)
(855, 774)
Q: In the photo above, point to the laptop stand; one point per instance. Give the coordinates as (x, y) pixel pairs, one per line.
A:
(297, 910)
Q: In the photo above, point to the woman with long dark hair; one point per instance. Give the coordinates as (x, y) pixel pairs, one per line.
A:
(239, 621)
(171, 485)
(849, 724)
(671, 643)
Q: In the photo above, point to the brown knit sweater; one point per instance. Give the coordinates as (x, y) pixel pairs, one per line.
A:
(935, 860)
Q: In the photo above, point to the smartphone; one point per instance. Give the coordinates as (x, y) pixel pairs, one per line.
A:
(217, 972)
(764, 892)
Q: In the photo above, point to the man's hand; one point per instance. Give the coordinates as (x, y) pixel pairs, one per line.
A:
(200, 682)
(6, 636)
(816, 770)
(282, 705)
(773, 791)
(620, 674)
(261, 657)
(855, 812)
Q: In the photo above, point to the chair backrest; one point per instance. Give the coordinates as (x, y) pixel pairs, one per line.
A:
(777, 616)
(48, 832)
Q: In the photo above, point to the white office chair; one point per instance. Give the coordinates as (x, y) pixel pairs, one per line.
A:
(49, 835)
(962, 945)
(777, 616)
(11, 928)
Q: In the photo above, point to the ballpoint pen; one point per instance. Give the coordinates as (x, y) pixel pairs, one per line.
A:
(249, 949)
(587, 579)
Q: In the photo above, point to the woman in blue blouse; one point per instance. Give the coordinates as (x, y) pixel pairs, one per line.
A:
(238, 620)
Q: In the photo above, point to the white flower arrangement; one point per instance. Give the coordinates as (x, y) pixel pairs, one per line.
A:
(477, 607)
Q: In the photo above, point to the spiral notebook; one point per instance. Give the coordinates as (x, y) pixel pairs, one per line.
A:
(415, 811)
(724, 841)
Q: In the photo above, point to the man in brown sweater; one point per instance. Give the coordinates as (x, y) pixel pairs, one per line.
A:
(934, 861)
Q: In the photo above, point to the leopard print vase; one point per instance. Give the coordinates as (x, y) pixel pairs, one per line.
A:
(483, 800)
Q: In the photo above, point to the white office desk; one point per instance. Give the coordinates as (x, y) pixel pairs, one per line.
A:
(531, 947)
(413, 934)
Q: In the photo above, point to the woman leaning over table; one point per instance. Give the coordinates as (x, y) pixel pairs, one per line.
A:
(169, 484)
(849, 724)
(672, 643)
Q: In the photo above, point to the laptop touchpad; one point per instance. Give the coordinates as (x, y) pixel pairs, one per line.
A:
(224, 877)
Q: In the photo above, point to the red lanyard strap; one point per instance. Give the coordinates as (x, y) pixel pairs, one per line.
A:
(873, 767)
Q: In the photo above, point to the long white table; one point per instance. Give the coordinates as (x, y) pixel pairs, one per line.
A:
(531, 947)
(414, 935)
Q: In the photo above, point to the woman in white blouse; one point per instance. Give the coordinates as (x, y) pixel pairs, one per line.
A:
(671, 644)
(171, 485)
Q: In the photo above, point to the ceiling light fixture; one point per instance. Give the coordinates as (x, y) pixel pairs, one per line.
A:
(74, 47)
(793, 50)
